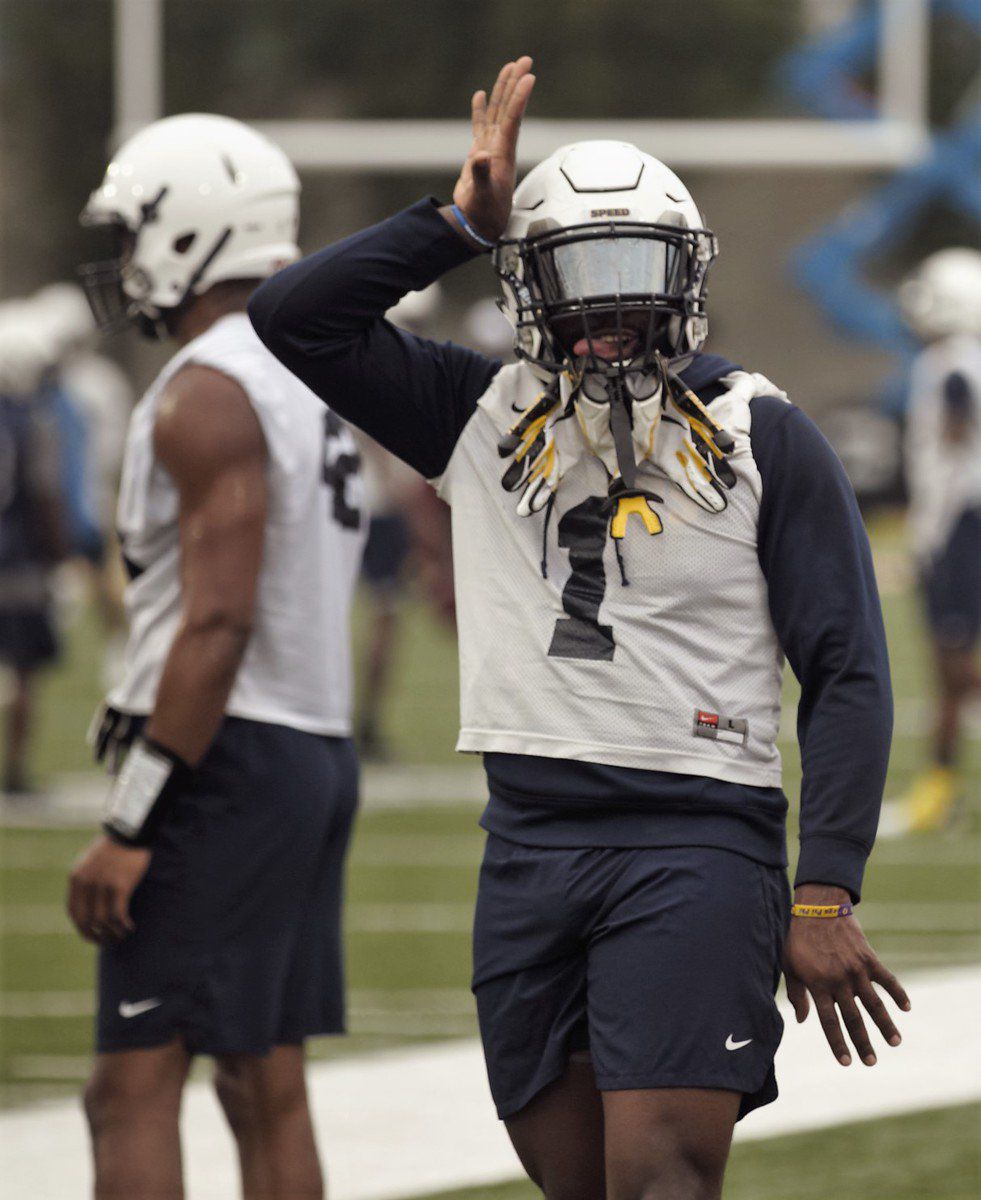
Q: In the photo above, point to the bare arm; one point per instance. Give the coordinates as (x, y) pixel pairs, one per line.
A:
(209, 439)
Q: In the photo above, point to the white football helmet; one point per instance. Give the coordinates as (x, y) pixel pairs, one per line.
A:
(943, 295)
(603, 237)
(26, 351)
(193, 200)
(66, 315)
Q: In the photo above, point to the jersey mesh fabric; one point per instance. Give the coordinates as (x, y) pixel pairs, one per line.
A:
(582, 665)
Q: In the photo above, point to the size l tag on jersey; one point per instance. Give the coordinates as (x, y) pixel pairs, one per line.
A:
(719, 728)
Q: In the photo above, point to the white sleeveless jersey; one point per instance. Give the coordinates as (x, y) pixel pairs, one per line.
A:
(296, 669)
(944, 476)
(677, 670)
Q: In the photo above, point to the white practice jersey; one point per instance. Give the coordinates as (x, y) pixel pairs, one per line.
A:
(580, 662)
(944, 475)
(297, 669)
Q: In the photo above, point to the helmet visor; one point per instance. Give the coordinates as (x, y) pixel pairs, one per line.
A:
(610, 266)
(581, 283)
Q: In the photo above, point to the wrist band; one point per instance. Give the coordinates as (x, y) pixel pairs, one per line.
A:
(821, 910)
(457, 211)
(137, 790)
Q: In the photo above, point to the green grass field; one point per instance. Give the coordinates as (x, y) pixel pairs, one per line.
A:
(411, 885)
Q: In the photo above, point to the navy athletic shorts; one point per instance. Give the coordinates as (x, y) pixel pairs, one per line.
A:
(237, 946)
(27, 638)
(952, 586)
(661, 962)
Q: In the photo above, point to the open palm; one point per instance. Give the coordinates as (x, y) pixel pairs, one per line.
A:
(486, 184)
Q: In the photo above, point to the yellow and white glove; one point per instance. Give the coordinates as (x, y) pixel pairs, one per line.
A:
(691, 446)
(536, 463)
(544, 469)
(687, 466)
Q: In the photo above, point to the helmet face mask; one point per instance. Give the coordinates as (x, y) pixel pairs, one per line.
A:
(640, 282)
(605, 259)
(114, 286)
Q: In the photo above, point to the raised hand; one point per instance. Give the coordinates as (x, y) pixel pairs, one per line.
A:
(486, 184)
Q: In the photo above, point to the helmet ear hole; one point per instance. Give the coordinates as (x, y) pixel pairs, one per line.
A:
(183, 243)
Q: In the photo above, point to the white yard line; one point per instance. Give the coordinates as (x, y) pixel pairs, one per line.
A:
(408, 1122)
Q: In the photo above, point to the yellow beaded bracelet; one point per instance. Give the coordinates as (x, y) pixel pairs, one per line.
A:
(821, 910)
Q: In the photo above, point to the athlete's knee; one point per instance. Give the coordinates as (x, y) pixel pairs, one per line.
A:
(116, 1095)
(253, 1093)
(672, 1163)
(236, 1097)
(564, 1173)
(681, 1171)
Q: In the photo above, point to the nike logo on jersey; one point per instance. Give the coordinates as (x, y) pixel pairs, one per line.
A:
(733, 1045)
(133, 1008)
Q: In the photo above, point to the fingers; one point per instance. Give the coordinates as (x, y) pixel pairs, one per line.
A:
(99, 911)
(497, 92)
(478, 112)
(81, 907)
(856, 1028)
(119, 922)
(828, 1016)
(510, 123)
(518, 71)
(886, 979)
(878, 1012)
(797, 995)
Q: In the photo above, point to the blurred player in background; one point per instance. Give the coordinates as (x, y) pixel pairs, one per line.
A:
(100, 395)
(32, 531)
(215, 890)
(632, 562)
(942, 302)
(391, 490)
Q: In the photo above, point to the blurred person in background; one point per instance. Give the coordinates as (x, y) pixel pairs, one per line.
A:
(215, 889)
(393, 493)
(641, 531)
(942, 303)
(32, 531)
(100, 396)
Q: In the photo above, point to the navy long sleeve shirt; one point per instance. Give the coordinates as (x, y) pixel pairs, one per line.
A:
(324, 318)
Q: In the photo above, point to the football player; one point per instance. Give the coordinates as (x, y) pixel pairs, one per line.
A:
(33, 532)
(215, 889)
(641, 532)
(942, 303)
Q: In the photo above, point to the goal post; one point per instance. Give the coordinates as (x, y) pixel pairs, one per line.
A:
(898, 134)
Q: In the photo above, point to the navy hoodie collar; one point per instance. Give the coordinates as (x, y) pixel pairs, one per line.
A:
(706, 369)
